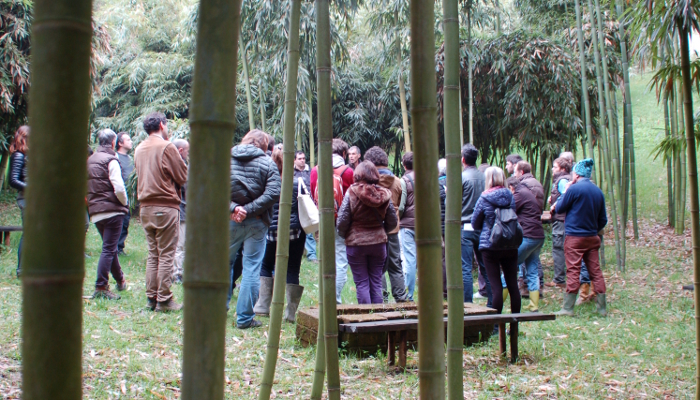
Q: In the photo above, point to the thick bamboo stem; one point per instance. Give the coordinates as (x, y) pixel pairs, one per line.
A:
(325, 184)
(471, 80)
(246, 80)
(261, 98)
(212, 123)
(431, 362)
(53, 265)
(312, 150)
(453, 207)
(320, 367)
(669, 166)
(402, 97)
(584, 83)
(285, 204)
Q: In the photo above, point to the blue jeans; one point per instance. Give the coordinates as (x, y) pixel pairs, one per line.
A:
(408, 243)
(252, 232)
(310, 246)
(584, 277)
(529, 253)
(470, 247)
(341, 267)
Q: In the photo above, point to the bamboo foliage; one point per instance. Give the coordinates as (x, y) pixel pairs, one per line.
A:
(431, 362)
(453, 214)
(212, 123)
(325, 198)
(285, 205)
(53, 266)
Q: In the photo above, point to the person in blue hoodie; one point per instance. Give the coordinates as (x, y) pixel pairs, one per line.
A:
(499, 259)
(584, 205)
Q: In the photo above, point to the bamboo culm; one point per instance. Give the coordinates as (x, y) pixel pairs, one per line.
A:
(453, 207)
(261, 97)
(312, 150)
(431, 350)
(325, 200)
(53, 270)
(285, 204)
(402, 95)
(584, 83)
(246, 80)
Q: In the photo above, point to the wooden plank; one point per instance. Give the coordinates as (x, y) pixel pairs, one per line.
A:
(6, 239)
(502, 339)
(391, 348)
(353, 318)
(412, 324)
(10, 228)
(513, 342)
(403, 349)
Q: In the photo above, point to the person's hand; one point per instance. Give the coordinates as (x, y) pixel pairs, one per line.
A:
(239, 214)
(549, 200)
(569, 184)
(551, 209)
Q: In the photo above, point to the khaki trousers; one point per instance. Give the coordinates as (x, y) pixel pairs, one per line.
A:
(162, 225)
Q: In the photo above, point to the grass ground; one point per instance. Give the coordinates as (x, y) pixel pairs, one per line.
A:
(643, 349)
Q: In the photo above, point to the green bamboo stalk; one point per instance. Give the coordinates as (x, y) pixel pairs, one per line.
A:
(246, 80)
(683, 191)
(680, 211)
(431, 362)
(676, 162)
(320, 367)
(625, 164)
(53, 266)
(693, 181)
(402, 92)
(325, 200)
(261, 97)
(285, 204)
(312, 151)
(212, 123)
(470, 82)
(669, 167)
(453, 208)
(584, 83)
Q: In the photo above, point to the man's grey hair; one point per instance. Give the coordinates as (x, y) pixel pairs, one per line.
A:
(180, 143)
(357, 149)
(105, 137)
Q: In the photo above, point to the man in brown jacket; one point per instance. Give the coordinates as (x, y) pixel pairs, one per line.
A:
(392, 265)
(160, 170)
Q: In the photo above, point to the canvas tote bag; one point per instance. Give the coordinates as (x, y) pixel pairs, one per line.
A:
(308, 212)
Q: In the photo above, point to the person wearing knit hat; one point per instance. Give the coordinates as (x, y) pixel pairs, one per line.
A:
(584, 205)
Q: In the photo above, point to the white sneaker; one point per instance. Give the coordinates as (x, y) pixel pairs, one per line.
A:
(478, 295)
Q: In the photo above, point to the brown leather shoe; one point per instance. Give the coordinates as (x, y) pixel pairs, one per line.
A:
(166, 306)
(122, 286)
(105, 293)
(151, 304)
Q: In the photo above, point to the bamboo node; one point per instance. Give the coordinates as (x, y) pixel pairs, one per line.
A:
(452, 87)
(205, 285)
(74, 24)
(426, 242)
(51, 280)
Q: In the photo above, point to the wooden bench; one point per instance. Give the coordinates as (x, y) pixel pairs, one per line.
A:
(397, 331)
(6, 230)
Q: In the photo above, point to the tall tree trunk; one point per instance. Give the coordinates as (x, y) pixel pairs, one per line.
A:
(312, 150)
(693, 180)
(453, 207)
(246, 80)
(261, 97)
(584, 82)
(3, 167)
(471, 79)
(325, 182)
(402, 96)
(53, 266)
(285, 204)
(431, 362)
(212, 122)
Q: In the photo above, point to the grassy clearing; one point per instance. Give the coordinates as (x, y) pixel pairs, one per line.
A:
(643, 349)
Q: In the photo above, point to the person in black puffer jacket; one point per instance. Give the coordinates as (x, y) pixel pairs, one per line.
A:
(484, 216)
(18, 178)
(255, 188)
(297, 240)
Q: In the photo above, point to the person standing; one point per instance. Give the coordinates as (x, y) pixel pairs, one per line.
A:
(584, 205)
(297, 238)
(354, 157)
(473, 183)
(183, 147)
(407, 223)
(364, 218)
(303, 172)
(561, 176)
(160, 171)
(126, 163)
(497, 260)
(107, 205)
(396, 187)
(523, 171)
(255, 188)
(511, 160)
(346, 176)
(18, 179)
(529, 215)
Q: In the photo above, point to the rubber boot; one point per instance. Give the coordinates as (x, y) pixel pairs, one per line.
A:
(600, 304)
(584, 293)
(262, 306)
(568, 306)
(505, 295)
(534, 301)
(293, 298)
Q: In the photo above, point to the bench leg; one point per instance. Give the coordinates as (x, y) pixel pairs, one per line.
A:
(502, 339)
(513, 342)
(390, 348)
(6, 238)
(403, 349)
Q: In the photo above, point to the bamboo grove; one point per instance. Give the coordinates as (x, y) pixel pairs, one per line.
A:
(504, 77)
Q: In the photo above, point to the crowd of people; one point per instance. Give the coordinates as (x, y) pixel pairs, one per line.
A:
(375, 222)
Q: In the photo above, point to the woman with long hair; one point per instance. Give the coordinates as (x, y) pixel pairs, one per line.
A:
(18, 178)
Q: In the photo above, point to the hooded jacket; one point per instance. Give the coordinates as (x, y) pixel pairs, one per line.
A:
(366, 215)
(391, 182)
(408, 219)
(535, 187)
(294, 216)
(485, 212)
(529, 214)
(255, 182)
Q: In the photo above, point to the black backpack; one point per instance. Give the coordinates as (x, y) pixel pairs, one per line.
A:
(506, 232)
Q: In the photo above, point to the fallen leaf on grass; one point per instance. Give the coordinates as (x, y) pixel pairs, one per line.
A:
(158, 395)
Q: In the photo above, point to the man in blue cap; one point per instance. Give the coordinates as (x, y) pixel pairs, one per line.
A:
(584, 205)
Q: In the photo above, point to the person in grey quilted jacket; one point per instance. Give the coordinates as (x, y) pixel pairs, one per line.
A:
(255, 188)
